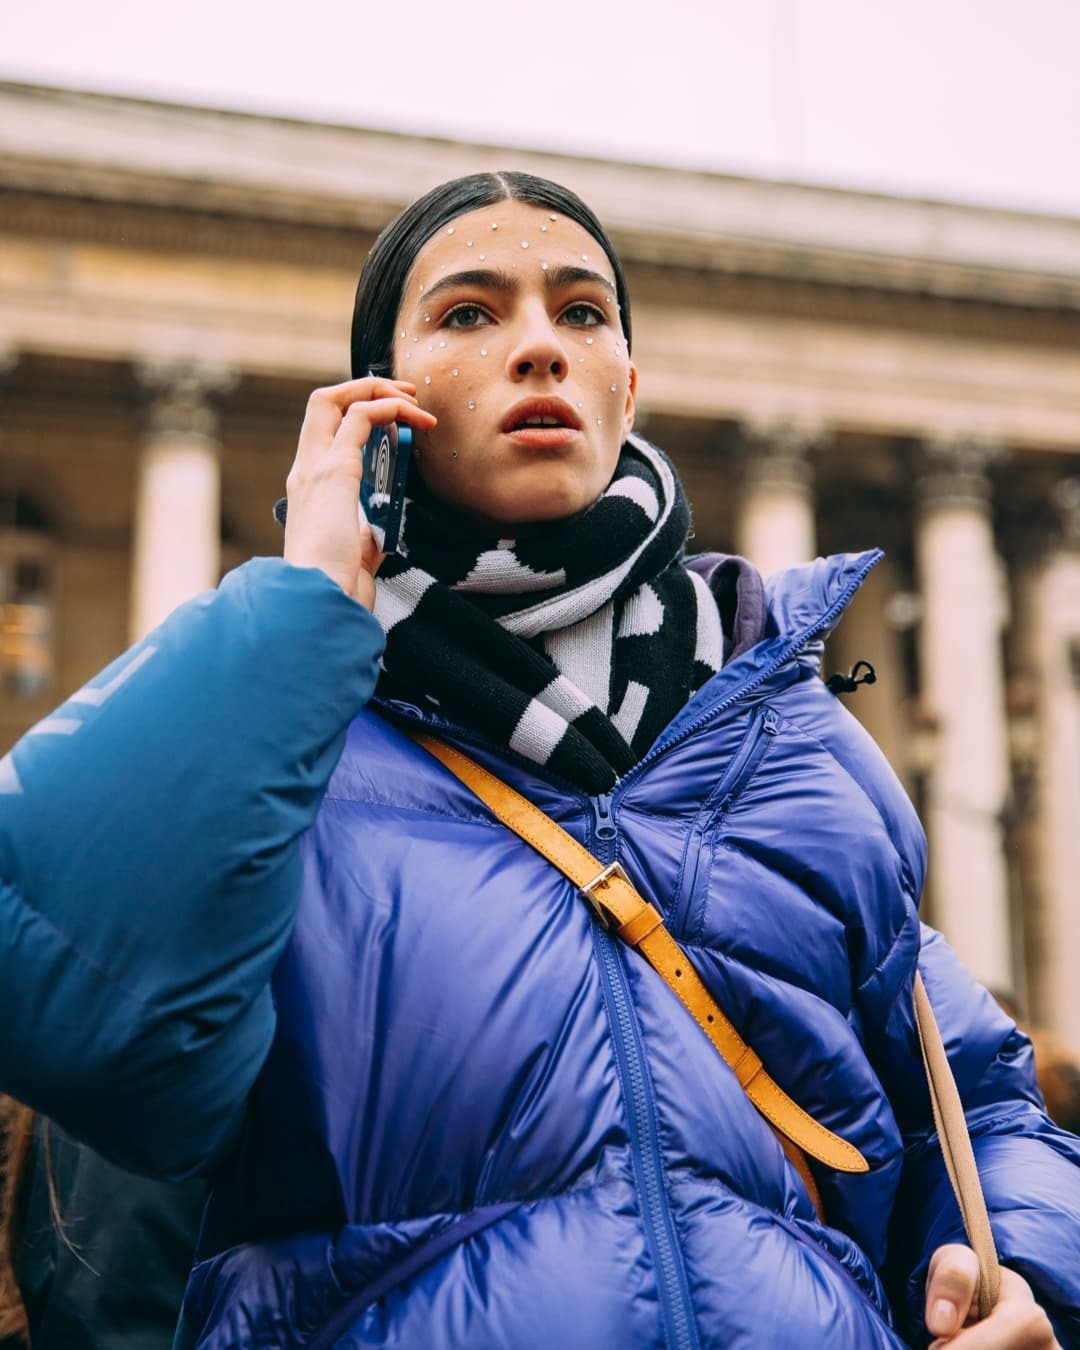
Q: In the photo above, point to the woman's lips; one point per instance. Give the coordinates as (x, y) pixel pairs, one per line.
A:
(541, 438)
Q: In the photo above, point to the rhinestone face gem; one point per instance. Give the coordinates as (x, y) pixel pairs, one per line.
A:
(472, 406)
(588, 342)
(581, 360)
(468, 243)
(543, 267)
(544, 228)
(524, 243)
(614, 388)
(599, 421)
(442, 344)
(483, 351)
(427, 318)
(495, 226)
(402, 334)
(450, 229)
(584, 257)
(553, 216)
(483, 256)
(454, 372)
(427, 379)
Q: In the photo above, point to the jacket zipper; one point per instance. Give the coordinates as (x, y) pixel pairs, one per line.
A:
(680, 1329)
(738, 773)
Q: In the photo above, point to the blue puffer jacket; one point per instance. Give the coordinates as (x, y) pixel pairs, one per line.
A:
(481, 1122)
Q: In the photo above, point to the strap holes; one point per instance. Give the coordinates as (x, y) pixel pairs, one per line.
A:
(711, 1018)
(678, 974)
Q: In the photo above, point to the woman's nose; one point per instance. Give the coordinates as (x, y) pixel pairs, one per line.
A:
(537, 348)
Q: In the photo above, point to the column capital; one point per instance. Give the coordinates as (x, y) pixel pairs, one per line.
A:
(184, 396)
(779, 453)
(953, 471)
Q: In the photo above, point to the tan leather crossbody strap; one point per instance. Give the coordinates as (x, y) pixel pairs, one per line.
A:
(640, 925)
(956, 1149)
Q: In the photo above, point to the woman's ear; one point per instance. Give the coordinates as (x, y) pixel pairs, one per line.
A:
(631, 400)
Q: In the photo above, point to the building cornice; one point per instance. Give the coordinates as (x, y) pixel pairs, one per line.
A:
(339, 182)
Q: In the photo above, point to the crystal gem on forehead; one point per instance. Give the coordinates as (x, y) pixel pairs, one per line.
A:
(468, 243)
(543, 267)
(614, 388)
(427, 318)
(450, 229)
(584, 257)
(430, 347)
(553, 216)
(403, 333)
(454, 372)
(408, 356)
(524, 243)
(483, 256)
(443, 343)
(599, 421)
(483, 351)
(427, 379)
(581, 360)
(495, 226)
(588, 342)
(472, 406)
(544, 228)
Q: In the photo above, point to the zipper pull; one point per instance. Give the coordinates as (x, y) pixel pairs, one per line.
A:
(771, 723)
(604, 821)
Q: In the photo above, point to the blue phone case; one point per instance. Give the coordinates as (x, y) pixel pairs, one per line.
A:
(382, 483)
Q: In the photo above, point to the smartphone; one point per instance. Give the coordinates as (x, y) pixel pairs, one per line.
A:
(386, 457)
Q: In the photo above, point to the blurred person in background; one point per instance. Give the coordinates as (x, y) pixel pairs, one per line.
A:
(253, 930)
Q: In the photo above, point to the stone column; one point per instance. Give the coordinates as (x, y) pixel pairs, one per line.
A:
(775, 522)
(962, 680)
(1054, 660)
(177, 543)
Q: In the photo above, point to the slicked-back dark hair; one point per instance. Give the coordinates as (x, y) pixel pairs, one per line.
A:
(378, 296)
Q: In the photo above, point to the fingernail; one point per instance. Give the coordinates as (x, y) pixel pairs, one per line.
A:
(943, 1316)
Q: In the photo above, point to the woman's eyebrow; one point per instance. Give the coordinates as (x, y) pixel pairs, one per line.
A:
(486, 278)
(483, 278)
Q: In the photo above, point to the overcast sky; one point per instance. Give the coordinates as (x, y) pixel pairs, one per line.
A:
(974, 100)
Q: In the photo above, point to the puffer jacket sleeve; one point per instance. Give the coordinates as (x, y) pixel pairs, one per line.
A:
(1030, 1169)
(149, 868)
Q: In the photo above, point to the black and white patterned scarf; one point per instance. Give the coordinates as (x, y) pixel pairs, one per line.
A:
(574, 645)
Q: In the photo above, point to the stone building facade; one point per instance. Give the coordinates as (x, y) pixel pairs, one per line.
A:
(831, 370)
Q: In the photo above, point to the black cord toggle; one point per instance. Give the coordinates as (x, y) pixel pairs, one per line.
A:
(847, 684)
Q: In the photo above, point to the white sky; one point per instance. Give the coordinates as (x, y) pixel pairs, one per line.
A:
(973, 100)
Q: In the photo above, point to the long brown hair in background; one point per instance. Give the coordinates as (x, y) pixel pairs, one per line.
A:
(16, 1133)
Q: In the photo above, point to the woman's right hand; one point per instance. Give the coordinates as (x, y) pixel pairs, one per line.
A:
(324, 527)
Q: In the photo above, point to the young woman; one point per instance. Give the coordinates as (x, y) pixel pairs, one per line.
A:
(260, 931)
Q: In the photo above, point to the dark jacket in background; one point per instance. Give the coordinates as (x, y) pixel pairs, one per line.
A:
(119, 1284)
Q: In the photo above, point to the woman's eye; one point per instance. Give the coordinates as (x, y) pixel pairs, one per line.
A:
(582, 315)
(466, 316)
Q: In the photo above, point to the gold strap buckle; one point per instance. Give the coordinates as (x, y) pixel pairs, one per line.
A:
(601, 879)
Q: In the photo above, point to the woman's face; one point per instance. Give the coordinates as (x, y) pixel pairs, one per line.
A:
(509, 328)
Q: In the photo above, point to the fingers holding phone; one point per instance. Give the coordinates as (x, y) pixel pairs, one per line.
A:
(324, 526)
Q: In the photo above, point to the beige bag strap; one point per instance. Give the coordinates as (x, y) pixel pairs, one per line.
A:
(956, 1149)
(640, 925)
